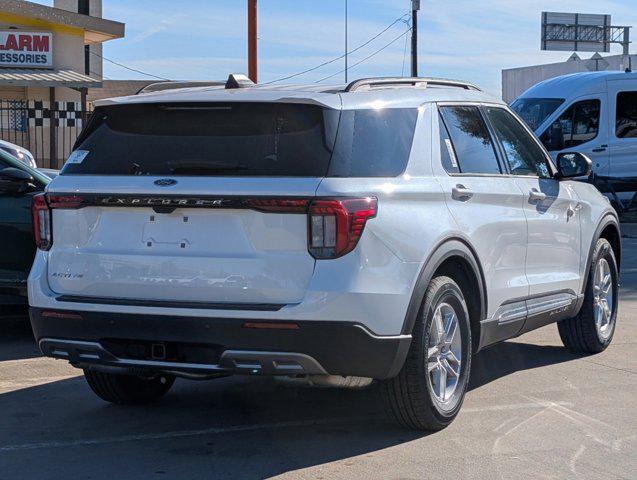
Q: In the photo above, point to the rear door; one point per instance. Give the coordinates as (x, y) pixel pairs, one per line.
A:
(551, 207)
(486, 205)
(622, 127)
(190, 203)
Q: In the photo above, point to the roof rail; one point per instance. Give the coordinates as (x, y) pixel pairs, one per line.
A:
(419, 82)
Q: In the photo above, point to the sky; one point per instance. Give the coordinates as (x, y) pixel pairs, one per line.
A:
(462, 39)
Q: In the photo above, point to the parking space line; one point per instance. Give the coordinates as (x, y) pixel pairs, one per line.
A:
(241, 429)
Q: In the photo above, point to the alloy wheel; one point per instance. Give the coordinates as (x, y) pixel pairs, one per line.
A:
(603, 297)
(444, 352)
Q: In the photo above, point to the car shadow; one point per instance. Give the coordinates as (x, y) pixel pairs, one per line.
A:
(510, 357)
(235, 427)
(16, 339)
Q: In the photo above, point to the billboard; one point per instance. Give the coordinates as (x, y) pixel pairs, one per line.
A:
(26, 49)
(576, 32)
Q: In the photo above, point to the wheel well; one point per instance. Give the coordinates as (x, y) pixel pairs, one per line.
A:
(461, 271)
(611, 234)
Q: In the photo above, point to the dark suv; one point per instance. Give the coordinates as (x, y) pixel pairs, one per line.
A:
(18, 184)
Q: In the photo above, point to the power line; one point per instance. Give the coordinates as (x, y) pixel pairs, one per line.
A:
(399, 19)
(127, 68)
(402, 72)
(100, 75)
(369, 56)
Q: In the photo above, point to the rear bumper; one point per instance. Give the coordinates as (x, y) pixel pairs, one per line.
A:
(315, 347)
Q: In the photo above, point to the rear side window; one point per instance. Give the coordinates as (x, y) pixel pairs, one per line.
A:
(472, 143)
(578, 124)
(626, 118)
(251, 139)
(374, 142)
(523, 154)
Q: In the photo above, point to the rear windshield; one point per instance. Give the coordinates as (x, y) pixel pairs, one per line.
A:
(216, 139)
(243, 139)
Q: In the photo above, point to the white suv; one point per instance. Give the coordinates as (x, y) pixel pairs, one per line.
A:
(388, 229)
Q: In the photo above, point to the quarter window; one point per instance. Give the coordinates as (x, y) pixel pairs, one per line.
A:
(472, 143)
(578, 124)
(523, 154)
(626, 116)
(373, 143)
(447, 153)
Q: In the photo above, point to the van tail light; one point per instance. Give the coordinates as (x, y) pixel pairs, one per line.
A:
(41, 222)
(336, 225)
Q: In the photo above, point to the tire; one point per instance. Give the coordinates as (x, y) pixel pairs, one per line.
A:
(127, 389)
(414, 398)
(582, 333)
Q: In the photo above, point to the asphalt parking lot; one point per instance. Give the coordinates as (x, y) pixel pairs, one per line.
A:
(534, 411)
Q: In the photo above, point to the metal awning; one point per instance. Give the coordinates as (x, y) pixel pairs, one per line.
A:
(46, 78)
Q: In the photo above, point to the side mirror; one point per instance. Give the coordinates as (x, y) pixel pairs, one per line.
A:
(573, 164)
(14, 180)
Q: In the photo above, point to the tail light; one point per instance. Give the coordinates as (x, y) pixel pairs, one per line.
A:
(41, 222)
(336, 225)
(41, 207)
(278, 205)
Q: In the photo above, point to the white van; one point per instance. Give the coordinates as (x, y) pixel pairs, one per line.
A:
(594, 113)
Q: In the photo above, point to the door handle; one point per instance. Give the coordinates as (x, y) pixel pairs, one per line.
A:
(600, 148)
(536, 196)
(460, 192)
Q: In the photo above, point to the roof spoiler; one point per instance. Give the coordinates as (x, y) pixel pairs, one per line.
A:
(238, 80)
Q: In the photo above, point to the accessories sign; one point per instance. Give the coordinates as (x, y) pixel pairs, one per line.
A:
(26, 49)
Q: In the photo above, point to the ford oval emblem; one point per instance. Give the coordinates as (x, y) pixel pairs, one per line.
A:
(165, 182)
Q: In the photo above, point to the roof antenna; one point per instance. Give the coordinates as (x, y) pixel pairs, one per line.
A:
(237, 80)
(630, 64)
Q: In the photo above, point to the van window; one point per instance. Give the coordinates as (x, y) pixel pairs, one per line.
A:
(471, 140)
(213, 139)
(578, 124)
(373, 142)
(535, 110)
(523, 154)
(626, 118)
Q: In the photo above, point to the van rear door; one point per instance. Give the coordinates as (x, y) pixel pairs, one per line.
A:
(622, 127)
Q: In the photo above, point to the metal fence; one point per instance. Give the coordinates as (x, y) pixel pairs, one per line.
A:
(48, 133)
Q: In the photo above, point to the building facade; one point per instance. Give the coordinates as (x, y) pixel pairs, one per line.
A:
(516, 81)
(49, 59)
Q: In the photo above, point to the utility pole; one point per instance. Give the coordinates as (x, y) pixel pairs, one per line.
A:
(346, 41)
(252, 40)
(415, 6)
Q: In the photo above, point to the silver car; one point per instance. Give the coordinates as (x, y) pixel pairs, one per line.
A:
(18, 152)
(384, 230)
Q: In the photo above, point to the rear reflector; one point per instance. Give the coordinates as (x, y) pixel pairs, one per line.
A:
(336, 225)
(277, 205)
(271, 325)
(41, 215)
(57, 314)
